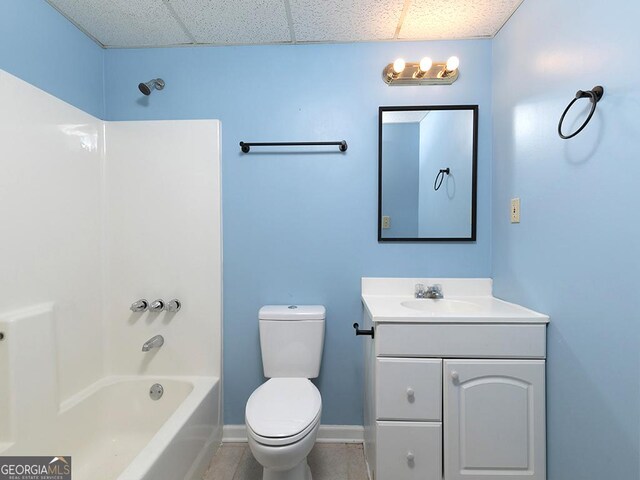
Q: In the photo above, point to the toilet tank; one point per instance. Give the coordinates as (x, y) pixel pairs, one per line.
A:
(291, 340)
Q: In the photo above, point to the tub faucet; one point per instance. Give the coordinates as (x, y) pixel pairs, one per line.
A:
(153, 342)
(432, 291)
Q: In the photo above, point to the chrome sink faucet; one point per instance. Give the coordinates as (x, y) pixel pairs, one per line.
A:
(153, 342)
(432, 291)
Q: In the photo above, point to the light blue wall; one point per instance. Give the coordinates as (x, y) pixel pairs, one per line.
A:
(576, 254)
(301, 228)
(401, 175)
(446, 141)
(40, 46)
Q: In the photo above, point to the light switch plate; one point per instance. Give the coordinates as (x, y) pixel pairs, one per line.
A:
(515, 210)
(386, 222)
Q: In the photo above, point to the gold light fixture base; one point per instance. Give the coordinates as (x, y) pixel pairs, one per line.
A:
(411, 75)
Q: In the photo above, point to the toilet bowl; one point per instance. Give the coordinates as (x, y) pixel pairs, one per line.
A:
(282, 415)
(282, 418)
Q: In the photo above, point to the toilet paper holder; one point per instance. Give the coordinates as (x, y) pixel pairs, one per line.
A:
(369, 332)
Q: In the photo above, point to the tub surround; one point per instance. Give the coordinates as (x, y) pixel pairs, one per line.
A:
(130, 210)
(163, 240)
(51, 184)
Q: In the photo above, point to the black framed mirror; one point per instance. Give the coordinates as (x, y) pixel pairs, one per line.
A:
(427, 173)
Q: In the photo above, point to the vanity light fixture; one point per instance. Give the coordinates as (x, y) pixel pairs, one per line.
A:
(425, 72)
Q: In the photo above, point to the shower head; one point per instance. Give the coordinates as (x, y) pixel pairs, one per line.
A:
(151, 85)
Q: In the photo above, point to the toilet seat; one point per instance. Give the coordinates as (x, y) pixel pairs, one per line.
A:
(283, 411)
(283, 441)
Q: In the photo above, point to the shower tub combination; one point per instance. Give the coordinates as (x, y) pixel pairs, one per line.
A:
(113, 429)
(76, 206)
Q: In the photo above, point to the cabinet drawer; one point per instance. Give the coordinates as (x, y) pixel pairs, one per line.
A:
(409, 451)
(461, 341)
(408, 389)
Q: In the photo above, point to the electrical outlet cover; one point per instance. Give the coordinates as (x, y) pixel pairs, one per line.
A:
(515, 210)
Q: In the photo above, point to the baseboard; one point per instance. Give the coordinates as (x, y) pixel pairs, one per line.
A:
(340, 434)
(234, 434)
(326, 434)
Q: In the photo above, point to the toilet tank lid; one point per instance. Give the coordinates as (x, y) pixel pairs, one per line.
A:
(292, 312)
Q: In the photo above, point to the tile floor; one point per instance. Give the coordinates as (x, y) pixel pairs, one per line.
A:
(328, 461)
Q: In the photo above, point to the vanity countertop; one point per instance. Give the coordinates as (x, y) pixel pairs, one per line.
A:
(387, 300)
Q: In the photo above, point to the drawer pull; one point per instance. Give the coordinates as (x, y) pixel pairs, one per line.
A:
(455, 377)
(410, 456)
(410, 394)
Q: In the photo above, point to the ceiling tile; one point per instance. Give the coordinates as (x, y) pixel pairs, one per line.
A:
(234, 21)
(345, 20)
(125, 23)
(435, 19)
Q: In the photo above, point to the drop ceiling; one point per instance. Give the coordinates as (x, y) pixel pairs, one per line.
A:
(158, 23)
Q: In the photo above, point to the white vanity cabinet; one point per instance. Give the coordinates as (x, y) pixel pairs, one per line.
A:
(445, 399)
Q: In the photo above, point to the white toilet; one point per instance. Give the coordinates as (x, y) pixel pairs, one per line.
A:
(283, 414)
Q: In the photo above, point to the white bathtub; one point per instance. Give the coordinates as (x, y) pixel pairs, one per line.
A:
(114, 431)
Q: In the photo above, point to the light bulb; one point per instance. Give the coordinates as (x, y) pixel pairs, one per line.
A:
(425, 64)
(453, 63)
(398, 65)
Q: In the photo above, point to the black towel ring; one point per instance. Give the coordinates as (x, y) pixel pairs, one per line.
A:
(440, 178)
(594, 95)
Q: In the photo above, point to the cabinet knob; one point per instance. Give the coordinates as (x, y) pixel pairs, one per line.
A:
(455, 377)
(410, 456)
(410, 393)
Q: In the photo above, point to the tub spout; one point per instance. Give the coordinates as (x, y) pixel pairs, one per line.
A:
(153, 342)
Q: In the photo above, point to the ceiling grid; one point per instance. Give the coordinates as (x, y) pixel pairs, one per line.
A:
(163, 23)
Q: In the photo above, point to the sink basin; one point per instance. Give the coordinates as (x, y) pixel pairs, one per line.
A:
(440, 306)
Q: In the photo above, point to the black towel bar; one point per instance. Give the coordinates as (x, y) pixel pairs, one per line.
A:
(246, 146)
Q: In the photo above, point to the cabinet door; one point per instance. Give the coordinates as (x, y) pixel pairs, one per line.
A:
(494, 419)
(409, 451)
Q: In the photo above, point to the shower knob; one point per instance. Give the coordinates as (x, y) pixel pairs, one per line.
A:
(156, 306)
(139, 306)
(173, 306)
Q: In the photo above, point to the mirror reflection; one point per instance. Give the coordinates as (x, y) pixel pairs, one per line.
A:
(427, 173)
